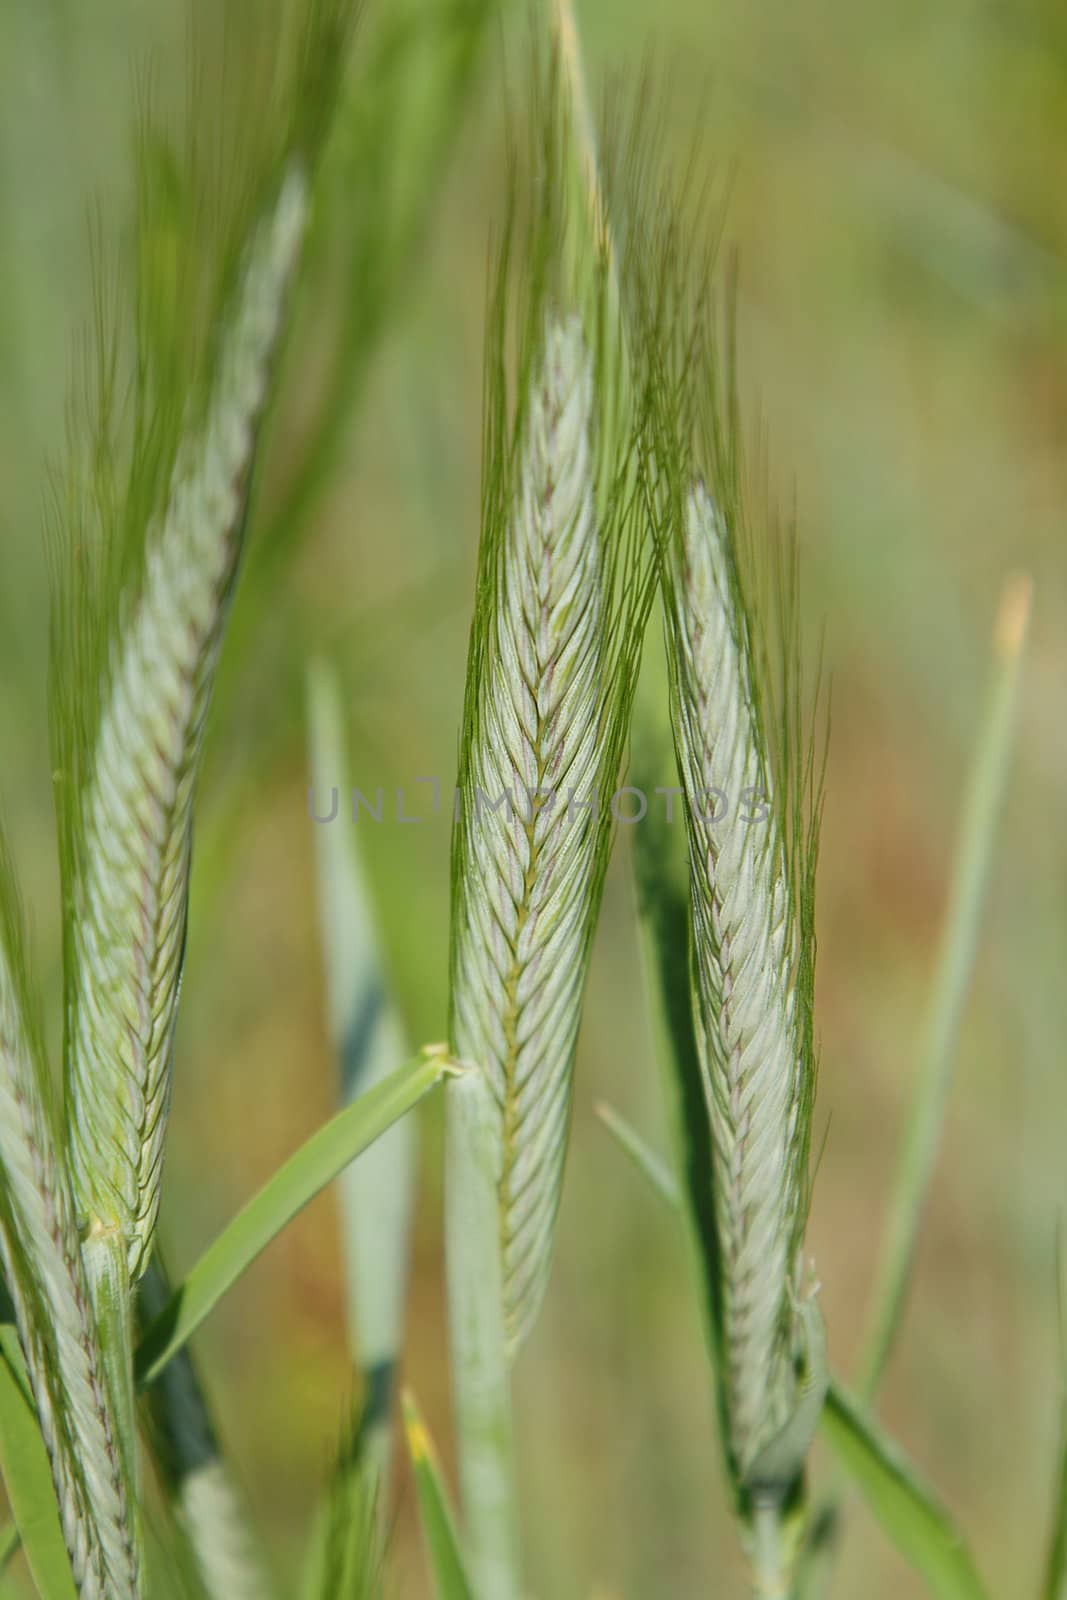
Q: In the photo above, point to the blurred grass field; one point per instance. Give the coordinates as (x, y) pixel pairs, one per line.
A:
(899, 214)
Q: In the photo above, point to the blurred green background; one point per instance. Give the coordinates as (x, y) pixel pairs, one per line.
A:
(899, 208)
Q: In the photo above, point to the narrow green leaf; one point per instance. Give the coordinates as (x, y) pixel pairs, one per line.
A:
(959, 939)
(644, 1158)
(438, 1525)
(314, 1165)
(345, 1558)
(28, 1477)
(907, 1509)
(952, 976)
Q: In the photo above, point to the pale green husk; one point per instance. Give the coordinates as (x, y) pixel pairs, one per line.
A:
(563, 590)
(130, 890)
(46, 1280)
(752, 792)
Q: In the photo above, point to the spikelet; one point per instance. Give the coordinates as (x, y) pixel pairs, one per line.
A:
(564, 587)
(529, 875)
(44, 1274)
(745, 752)
(745, 955)
(130, 889)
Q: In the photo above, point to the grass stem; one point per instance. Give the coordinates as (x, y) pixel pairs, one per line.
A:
(770, 1569)
(480, 1371)
(952, 976)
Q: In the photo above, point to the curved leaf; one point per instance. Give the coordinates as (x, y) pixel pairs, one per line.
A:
(28, 1477)
(313, 1166)
(910, 1514)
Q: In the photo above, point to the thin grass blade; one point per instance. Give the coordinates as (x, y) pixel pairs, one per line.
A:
(908, 1511)
(313, 1166)
(644, 1158)
(986, 784)
(346, 1554)
(443, 1553)
(28, 1480)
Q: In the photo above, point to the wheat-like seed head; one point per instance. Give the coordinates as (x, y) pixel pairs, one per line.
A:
(526, 893)
(127, 927)
(43, 1270)
(746, 933)
(563, 593)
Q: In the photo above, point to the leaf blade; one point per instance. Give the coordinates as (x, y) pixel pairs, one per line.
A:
(28, 1478)
(907, 1509)
(644, 1158)
(315, 1164)
(986, 783)
(443, 1553)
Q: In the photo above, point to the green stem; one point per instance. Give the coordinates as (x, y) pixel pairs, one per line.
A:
(952, 975)
(770, 1568)
(480, 1371)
